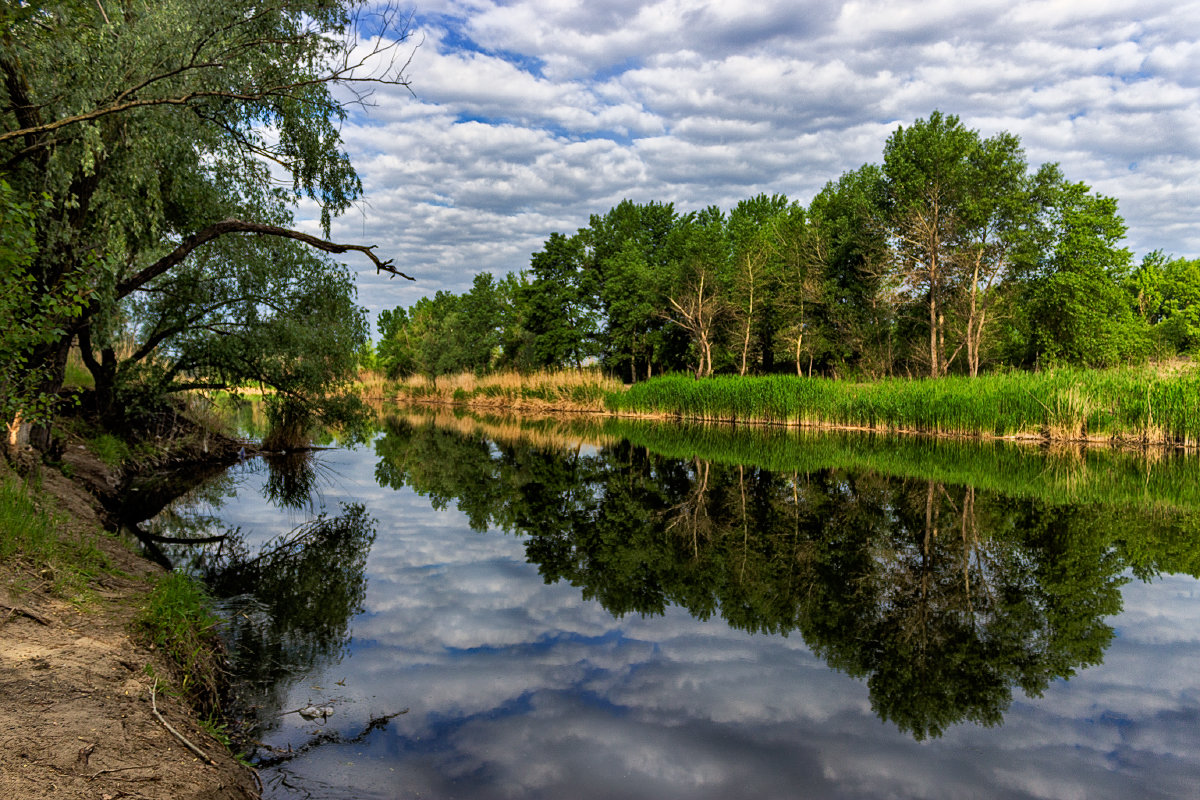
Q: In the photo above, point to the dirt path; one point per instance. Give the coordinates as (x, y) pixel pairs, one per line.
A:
(75, 706)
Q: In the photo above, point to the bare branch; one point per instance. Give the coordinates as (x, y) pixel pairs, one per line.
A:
(228, 226)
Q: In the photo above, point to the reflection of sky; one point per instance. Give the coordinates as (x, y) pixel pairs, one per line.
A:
(520, 689)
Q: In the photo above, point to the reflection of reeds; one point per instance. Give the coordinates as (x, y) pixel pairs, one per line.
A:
(1063, 473)
(542, 433)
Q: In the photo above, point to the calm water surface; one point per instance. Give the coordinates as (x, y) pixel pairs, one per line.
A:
(645, 613)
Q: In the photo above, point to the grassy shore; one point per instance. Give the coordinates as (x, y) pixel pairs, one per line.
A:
(1145, 405)
(1141, 405)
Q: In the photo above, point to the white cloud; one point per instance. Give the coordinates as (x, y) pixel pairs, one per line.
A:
(526, 117)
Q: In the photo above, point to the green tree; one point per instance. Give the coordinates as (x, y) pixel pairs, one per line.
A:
(925, 170)
(957, 206)
(694, 298)
(482, 319)
(263, 311)
(397, 350)
(857, 315)
(999, 220)
(28, 318)
(151, 129)
(1075, 308)
(557, 312)
(801, 253)
(627, 252)
(752, 282)
(1167, 298)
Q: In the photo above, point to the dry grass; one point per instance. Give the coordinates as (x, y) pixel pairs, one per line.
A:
(373, 385)
(567, 390)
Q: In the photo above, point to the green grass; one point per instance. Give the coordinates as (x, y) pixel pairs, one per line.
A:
(110, 449)
(66, 562)
(177, 619)
(76, 375)
(1135, 405)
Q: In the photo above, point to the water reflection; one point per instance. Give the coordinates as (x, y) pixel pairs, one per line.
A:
(950, 580)
(289, 602)
(943, 598)
(293, 480)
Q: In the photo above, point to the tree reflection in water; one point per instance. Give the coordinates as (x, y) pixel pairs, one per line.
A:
(942, 597)
(289, 604)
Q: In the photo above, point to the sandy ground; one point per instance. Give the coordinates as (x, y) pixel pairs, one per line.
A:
(75, 698)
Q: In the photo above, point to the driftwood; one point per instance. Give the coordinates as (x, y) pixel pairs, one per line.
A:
(175, 733)
(184, 540)
(280, 755)
(24, 612)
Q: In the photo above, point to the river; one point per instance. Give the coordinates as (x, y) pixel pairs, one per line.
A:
(505, 609)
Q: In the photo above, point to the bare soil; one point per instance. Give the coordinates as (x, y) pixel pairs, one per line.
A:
(75, 695)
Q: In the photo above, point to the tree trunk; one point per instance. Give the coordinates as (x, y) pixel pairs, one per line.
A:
(933, 334)
(746, 333)
(54, 355)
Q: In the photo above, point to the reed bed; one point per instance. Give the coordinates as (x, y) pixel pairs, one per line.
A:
(1124, 405)
(566, 390)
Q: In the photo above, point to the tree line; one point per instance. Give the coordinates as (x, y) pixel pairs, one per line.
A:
(953, 255)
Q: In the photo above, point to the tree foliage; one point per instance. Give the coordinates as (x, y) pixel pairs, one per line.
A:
(145, 138)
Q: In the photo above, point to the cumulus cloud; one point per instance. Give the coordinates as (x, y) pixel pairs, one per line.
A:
(526, 117)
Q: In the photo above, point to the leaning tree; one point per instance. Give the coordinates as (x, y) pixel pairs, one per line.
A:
(135, 135)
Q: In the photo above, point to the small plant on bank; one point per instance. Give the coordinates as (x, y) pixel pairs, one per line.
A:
(177, 619)
(109, 449)
(63, 562)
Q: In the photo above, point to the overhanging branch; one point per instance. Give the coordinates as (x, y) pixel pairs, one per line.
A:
(231, 225)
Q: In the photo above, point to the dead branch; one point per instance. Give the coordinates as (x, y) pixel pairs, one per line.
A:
(196, 750)
(24, 612)
(231, 225)
(328, 737)
(95, 775)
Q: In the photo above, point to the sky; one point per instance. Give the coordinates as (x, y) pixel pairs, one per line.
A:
(524, 118)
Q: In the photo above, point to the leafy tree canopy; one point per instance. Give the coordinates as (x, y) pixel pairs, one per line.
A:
(143, 134)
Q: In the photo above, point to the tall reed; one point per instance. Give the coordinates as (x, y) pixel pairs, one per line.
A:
(1126, 405)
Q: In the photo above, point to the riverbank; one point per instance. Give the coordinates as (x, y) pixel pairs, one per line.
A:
(85, 692)
(1141, 406)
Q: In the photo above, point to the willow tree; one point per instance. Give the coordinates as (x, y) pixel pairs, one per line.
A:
(147, 131)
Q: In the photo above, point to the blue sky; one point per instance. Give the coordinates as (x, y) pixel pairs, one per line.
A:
(526, 117)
